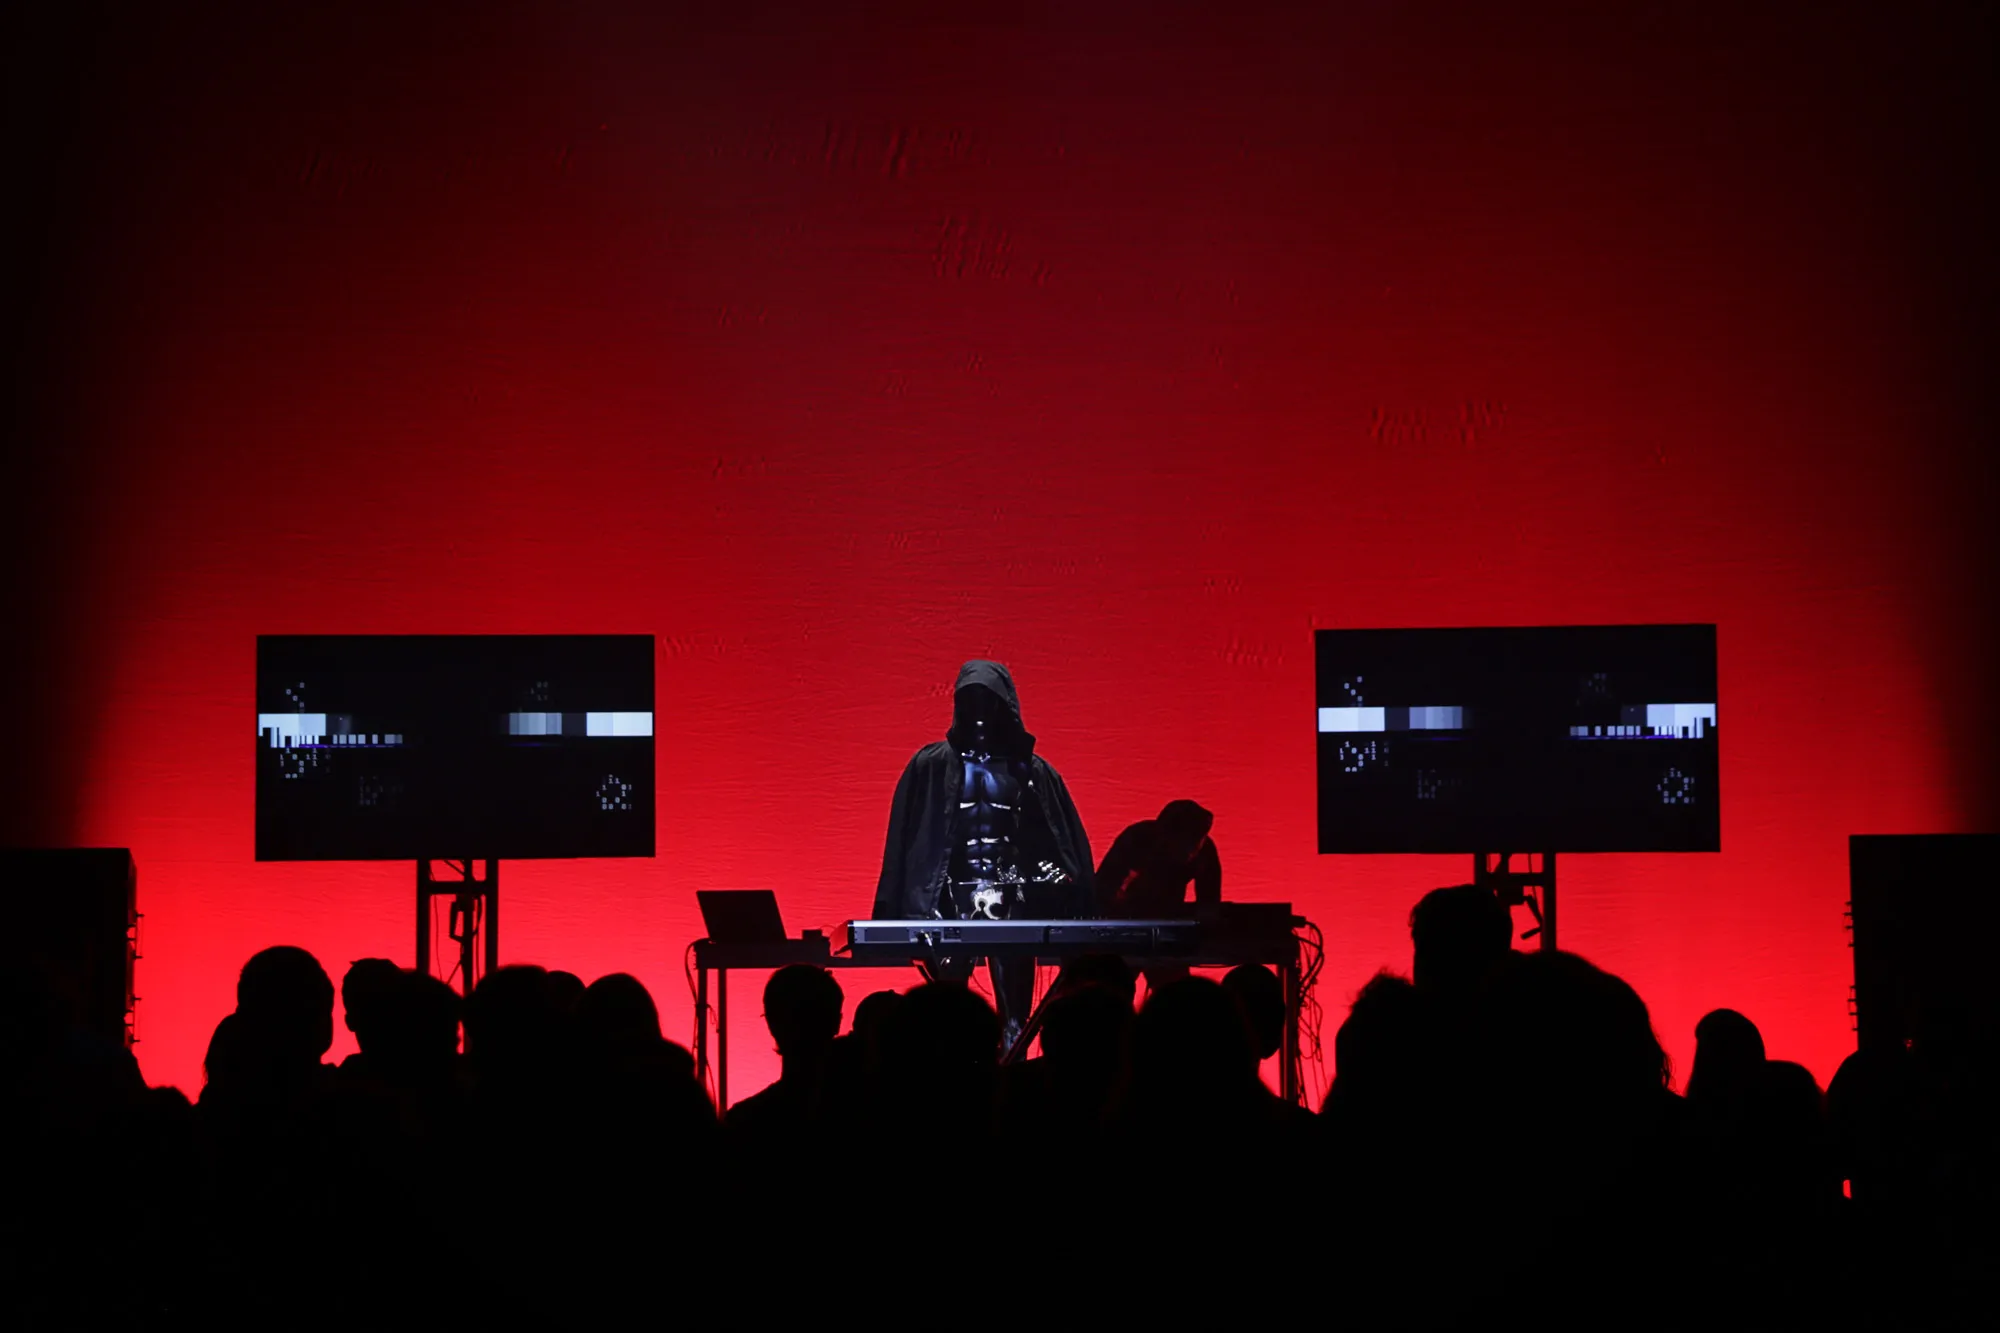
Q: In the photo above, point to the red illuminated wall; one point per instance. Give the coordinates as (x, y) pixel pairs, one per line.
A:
(1126, 348)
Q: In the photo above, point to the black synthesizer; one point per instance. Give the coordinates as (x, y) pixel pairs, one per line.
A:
(1163, 938)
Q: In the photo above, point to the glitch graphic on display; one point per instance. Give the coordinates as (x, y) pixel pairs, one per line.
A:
(396, 747)
(1587, 738)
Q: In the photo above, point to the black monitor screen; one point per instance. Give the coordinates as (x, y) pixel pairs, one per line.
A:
(409, 746)
(1593, 738)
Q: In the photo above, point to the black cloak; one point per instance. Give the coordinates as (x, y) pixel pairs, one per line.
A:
(924, 813)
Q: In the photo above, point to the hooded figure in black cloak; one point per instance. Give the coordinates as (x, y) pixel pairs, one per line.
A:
(982, 826)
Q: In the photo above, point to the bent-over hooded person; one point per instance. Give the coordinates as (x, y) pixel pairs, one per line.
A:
(1151, 864)
(982, 826)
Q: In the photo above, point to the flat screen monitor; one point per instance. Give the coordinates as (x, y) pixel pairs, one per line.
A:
(1575, 738)
(400, 747)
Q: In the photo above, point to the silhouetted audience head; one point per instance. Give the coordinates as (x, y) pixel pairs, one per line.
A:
(678, 1059)
(1790, 1137)
(566, 991)
(1191, 1052)
(1257, 990)
(510, 1021)
(1728, 1059)
(943, 1036)
(1458, 934)
(423, 1027)
(872, 1013)
(1380, 1046)
(618, 1015)
(802, 1008)
(284, 1002)
(1087, 1026)
(1108, 970)
(1570, 1049)
(366, 993)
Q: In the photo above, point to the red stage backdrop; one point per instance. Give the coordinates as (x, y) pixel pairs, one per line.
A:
(1125, 344)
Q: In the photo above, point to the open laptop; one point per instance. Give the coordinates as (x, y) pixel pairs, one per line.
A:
(741, 916)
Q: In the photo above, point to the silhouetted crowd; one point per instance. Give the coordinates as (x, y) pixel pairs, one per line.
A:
(1502, 1142)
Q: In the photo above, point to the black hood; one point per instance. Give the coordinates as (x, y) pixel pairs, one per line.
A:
(980, 674)
(1187, 815)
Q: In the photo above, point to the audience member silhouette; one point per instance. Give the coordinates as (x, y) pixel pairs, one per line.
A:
(641, 1108)
(1194, 1068)
(1494, 1095)
(82, 1139)
(1389, 1106)
(367, 994)
(566, 990)
(854, 1069)
(616, 1016)
(284, 1011)
(419, 1042)
(1058, 1103)
(1458, 935)
(939, 1053)
(1791, 1137)
(802, 1008)
(1195, 1111)
(1379, 1051)
(1107, 970)
(1889, 1118)
(594, 1112)
(1724, 1089)
(1261, 997)
(268, 1115)
(1571, 1058)
(510, 1028)
(224, 1061)
(872, 1014)
(1728, 1062)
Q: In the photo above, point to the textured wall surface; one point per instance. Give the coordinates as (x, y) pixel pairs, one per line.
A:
(1125, 344)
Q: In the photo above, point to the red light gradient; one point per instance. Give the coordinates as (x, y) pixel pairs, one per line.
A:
(1127, 349)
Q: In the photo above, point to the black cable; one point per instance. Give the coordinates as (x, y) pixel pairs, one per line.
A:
(1311, 1016)
(704, 1071)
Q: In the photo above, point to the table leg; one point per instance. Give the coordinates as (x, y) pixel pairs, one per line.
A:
(721, 1040)
(1289, 1076)
(701, 1024)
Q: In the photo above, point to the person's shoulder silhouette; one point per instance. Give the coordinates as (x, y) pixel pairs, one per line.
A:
(802, 1009)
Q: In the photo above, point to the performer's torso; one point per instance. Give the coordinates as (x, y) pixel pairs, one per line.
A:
(986, 844)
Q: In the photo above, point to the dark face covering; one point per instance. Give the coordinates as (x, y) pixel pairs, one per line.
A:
(977, 711)
(985, 694)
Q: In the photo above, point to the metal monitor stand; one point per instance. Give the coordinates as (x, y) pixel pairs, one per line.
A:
(475, 918)
(1511, 887)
